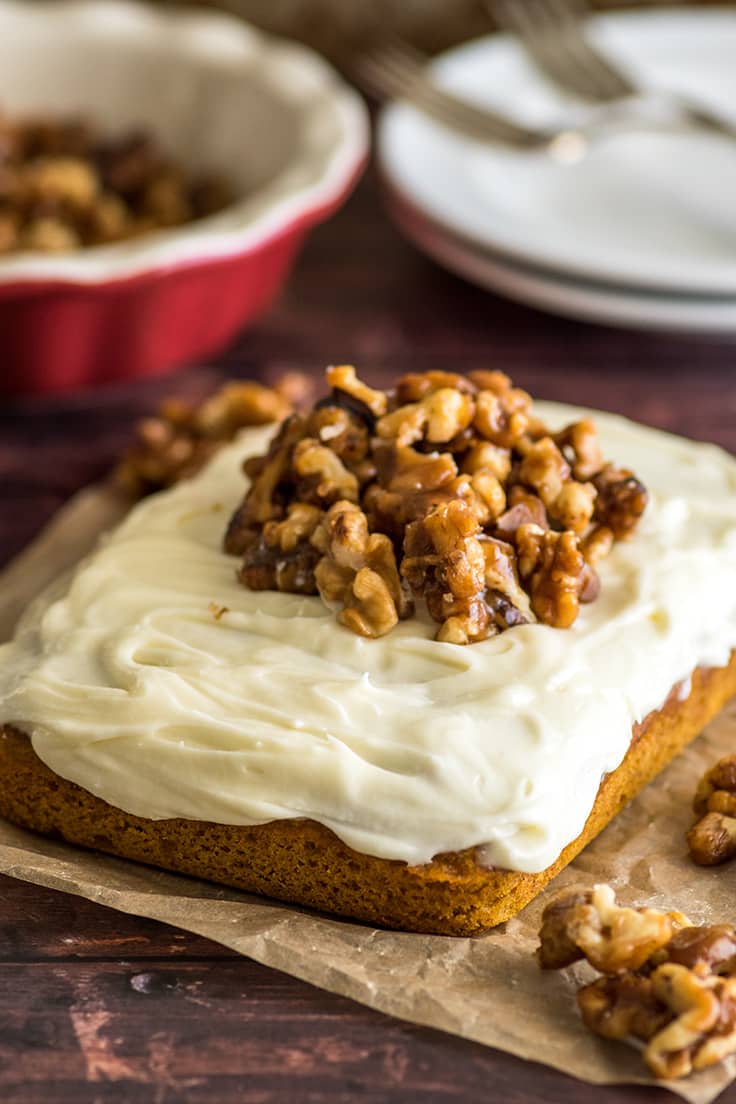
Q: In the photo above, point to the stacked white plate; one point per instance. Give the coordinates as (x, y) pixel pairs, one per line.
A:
(641, 232)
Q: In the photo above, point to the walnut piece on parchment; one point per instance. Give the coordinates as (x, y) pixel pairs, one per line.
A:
(712, 839)
(664, 981)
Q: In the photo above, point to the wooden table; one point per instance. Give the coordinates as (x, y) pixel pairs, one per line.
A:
(96, 1006)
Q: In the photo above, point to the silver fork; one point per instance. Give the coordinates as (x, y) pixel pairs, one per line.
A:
(397, 70)
(553, 34)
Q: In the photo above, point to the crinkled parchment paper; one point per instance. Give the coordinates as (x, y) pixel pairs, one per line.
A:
(489, 988)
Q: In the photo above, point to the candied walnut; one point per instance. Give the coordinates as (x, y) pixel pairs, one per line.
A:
(322, 475)
(502, 416)
(263, 500)
(417, 385)
(484, 379)
(544, 469)
(703, 1030)
(445, 562)
(557, 946)
(508, 602)
(621, 500)
(409, 485)
(712, 840)
(343, 378)
(66, 179)
(524, 509)
(444, 548)
(580, 445)
(488, 495)
(596, 544)
(182, 437)
(622, 1006)
(612, 937)
(108, 220)
(707, 947)
(490, 518)
(65, 189)
(238, 404)
(49, 235)
(438, 418)
(9, 232)
(358, 570)
(573, 507)
(716, 790)
(165, 198)
(282, 556)
(465, 627)
(551, 566)
(340, 431)
(669, 984)
(483, 456)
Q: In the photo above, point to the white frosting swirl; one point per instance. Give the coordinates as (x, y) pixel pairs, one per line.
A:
(405, 747)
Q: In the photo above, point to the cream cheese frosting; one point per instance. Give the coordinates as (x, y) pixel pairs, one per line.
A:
(159, 683)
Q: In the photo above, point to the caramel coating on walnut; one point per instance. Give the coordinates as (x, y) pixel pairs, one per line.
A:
(63, 187)
(492, 520)
(612, 937)
(712, 839)
(182, 437)
(666, 982)
(358, 570)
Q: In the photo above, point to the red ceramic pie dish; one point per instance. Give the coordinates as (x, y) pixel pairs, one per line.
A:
(269, 116)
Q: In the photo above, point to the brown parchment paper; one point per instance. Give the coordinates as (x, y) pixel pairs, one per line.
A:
(489, 988)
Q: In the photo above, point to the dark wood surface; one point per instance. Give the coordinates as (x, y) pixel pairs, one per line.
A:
(97, 1006)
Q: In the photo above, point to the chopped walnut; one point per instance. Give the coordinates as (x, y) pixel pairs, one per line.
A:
(710, 947)
(182, 437)
(580, 445)
(62, 188)
(544, 470)
(343, 378)
(610, 936)
(620, 502)
(551, 566)
(417, 385)
(483, 456)
(622, 1006)
(596, 544)
(716, 790)
(438, 418)
(712, 839)
(668, 983)
(282, 556)
(322, 475)
(502, 417)
(703, 1030)
(357, 569)
(524, 509)
(492, 520)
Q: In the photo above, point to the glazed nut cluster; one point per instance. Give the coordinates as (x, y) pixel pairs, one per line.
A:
(664, 981)
(183, 436)
(64, 187)
(712, 839)
(446, 490)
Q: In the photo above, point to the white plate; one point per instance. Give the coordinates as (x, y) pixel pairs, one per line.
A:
(644, 210)
(566, 296)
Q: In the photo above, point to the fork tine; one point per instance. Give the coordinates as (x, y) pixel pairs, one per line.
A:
(540, 38)
(391, 72)
(606, 80)
(551, 31)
